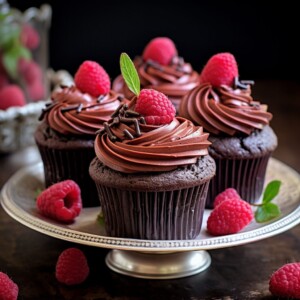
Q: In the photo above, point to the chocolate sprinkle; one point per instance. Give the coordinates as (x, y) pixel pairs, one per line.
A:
(242, 84)
(125, 116)
(100, 98)
(128, 134)
(79, 108)
(68, 108)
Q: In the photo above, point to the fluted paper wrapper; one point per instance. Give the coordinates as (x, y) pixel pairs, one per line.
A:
(62, 164)
(247, 176)
(166, 215)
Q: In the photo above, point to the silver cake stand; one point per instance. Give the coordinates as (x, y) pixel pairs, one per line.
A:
(155, 259)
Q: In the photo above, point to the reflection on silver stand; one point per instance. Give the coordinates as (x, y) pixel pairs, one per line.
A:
(158, 265)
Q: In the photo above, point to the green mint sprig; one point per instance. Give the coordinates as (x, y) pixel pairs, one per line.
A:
(130, 74)
(267, 211)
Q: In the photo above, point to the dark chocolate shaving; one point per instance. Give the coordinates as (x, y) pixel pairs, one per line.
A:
(154, 65)
(111, 136)
(68, 108)
(242, 84)
(128, 134)
(79, 108)
(100, 98)
(123, 115)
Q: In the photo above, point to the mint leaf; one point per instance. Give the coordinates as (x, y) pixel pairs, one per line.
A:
(10, 59)
(271, 191)
(130, 74)
(267, 212)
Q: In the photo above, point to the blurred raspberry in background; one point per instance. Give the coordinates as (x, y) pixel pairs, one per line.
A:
(23, 53)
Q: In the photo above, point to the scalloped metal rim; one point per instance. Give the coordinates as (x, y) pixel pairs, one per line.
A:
(33, 222)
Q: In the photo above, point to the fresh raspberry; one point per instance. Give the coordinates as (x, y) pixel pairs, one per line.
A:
(229, 217)
(72, 267)
(155, 107)
(161, 50)
(29, 70)
(285, 282)
(229, 193)
(61, 201)
(220, 69)
(29, 37)
(92, 78)
(36, 90)
(8, 289)
(11, 95)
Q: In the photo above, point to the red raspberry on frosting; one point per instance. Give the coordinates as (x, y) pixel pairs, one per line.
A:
(72, 267)
(92, 78)
(285, 282)
(220, 69)
(61, 201)
(229, 193)
(11, 95)
(229, 217)
(8, 289)
(155, 107)
(161, 50)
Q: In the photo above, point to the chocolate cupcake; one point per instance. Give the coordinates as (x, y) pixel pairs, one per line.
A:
(242, 140)
(152, 170)
(161, 68)
(66, 135)
(153, 186)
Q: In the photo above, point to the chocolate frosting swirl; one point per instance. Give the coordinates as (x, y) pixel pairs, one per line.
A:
(174, 80)
(76, 113)
(224, 110)
(159, 148)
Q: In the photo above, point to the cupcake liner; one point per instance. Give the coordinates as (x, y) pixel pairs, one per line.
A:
(247, 176)
(165, 215)
(62, 164)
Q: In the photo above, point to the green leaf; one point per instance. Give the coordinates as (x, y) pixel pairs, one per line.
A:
(9, 33)
(11, 58)
(267, 212)
(37, 193)
(100, 218)
(271, 191)
(130, 74)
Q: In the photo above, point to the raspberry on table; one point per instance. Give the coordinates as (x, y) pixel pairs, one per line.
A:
(161, 50)
(229, 193)
(61, 201)
(229, 217)
(11, 95)
(8, 289)
(155, 107)
(285, 282)
(72, 267)
(92, 78)
(221, 69)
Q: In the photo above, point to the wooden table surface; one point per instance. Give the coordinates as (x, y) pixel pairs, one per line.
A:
(240, 272)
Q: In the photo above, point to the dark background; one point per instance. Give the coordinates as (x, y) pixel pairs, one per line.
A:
(263, 37)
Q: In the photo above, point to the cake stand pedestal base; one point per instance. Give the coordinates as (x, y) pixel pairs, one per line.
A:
(165, 265)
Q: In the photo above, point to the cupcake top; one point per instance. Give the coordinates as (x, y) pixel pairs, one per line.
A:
(221, 103)
(145, 136)
(161, 68)
(82, 109)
